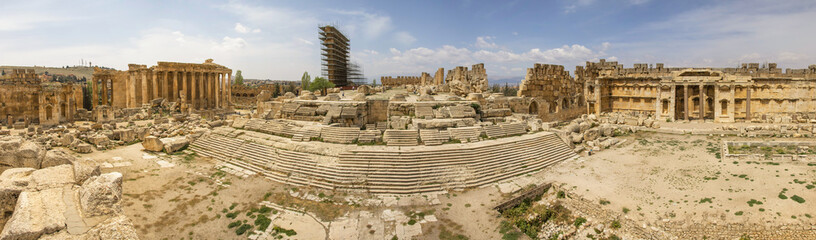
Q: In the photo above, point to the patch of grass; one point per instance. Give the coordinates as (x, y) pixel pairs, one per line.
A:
(242, 229)
(615, 224)
(445, 234)
(754, 202)
(579, 221)
(288, 232)
(603, 202)
(625, 210)
(798, 199)
(234, 224)
(412, 222)
(739, 213)
(704, 200)
(561, 194)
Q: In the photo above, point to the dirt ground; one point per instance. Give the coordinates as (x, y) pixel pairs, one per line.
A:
(661, 177)
(652, 177)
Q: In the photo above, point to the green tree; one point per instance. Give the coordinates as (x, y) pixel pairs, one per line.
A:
(239, 80)
(305, 80)
(320, 83)
(374, 82)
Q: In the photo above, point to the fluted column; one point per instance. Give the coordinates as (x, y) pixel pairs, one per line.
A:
(155, 88)
(95, 95)
(193, 90)
(184, 87)
(201, 82)
(144, 88)
(175, 89)
(104, 91)
(211, 90)
(229, 88)
(218, 89)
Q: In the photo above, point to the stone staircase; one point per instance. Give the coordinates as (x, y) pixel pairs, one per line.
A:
(340, 134)
(466, 134)
(401, 137)
(494, 131)
(369, 136)
(389, 170)
(512, 129)
(432, 137)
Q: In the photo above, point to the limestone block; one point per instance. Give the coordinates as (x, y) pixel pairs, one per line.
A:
(84, 169)
(576, 137)
(358, 97)
(52, 177)
(56, 157)
(126, 135)
(35, 214)
(152, 143)
(99, 140)
(332, 97)
(100, 195)
(289, 95)
(84, 148)
(30, 154)
(365, 90)
(592, 134)
(114, 228)
(172, 145)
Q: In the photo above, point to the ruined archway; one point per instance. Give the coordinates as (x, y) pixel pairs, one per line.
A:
(724, 107)
(533, 108)
(553, 107)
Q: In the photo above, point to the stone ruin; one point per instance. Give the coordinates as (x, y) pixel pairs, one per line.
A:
(461, 81)
(49, 194)
(553, 89)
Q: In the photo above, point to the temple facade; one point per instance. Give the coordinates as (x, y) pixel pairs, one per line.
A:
(751, 93)
(26, 99)
(196, 86)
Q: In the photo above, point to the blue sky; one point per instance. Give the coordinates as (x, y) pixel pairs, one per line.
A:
(278, 39)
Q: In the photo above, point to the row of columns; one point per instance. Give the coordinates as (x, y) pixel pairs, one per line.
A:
(201, 89)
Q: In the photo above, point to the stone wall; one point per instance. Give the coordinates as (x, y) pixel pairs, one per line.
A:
(26, 99)
(462, 81)
(751, 93)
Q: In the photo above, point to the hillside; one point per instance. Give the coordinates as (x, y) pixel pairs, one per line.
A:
(79, 72)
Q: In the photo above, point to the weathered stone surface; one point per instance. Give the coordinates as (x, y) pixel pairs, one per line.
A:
(84, 148)
(84, 169)
(152, 143)
(52, 177)
(100, 195)
(57, 157)
(35, 214)
(591, 134)
(358, 97)
(30, 155)
(172, 145)
(115, 228)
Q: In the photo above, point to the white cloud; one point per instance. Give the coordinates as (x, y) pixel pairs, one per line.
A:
(240, 28)
(718, 33)
(498, 61)
(372, 25)
(574, 4)
(485, 42)
(638, 2)
(404, 38)
(307, 42)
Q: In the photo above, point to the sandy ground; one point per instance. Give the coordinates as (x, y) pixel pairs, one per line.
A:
(661, 177)
(657, 177)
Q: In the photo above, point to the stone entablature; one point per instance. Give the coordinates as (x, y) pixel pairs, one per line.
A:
(748, 93)
(193, 86)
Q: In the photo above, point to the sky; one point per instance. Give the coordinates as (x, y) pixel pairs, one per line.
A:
(279, 39)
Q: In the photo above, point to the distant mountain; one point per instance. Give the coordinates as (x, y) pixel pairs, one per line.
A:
(79, 72)
(512, 81)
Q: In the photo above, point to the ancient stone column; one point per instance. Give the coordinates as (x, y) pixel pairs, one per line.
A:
(748, 103)
(105, 91)
(702, 102)
(717, 103)
(201, 94)
(184, 86)
(218, 88)
(131, 101)
(175, 90)
(194, 90)
(155, 87)
(166, 85)
(144, 87)
(210, 92)
(229, 88)
(95, 95)
(685, 103)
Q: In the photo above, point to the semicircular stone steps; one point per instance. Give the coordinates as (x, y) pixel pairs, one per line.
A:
(390, 170)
